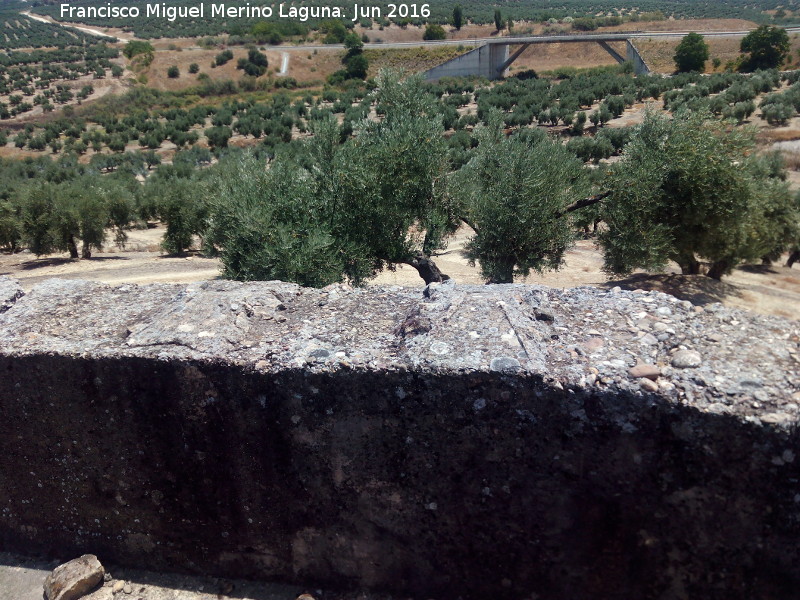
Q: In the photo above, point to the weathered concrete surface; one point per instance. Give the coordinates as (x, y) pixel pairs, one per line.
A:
(10, 292)
(640, 67)
(478, 441)
(484, 61)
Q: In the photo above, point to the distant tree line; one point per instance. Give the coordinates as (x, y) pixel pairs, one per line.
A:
(441, 13)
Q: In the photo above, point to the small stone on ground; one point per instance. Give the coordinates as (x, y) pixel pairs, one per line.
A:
(74, 579)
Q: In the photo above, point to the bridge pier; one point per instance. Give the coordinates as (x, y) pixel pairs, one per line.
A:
(639, 65)
(489, 61)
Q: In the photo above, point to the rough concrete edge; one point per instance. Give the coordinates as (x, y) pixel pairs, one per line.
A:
(10, 292)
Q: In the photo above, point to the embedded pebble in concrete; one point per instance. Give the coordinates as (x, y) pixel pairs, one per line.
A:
(505, 363)
(646, 371)
(648, 385)
(686, 359)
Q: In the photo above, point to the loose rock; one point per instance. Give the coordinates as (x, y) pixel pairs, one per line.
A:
(74, 579)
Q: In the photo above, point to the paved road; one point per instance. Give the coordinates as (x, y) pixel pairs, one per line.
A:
(542, 39)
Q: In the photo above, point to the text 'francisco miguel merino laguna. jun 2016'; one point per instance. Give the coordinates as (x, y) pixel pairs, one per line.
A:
(163, 10)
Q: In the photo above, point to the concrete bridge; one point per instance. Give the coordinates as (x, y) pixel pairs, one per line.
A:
(491, 59)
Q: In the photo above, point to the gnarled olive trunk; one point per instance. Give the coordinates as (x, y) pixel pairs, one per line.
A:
(502, 273)
(72, 247)
(719, 268)
(426, 268)
(689, 265)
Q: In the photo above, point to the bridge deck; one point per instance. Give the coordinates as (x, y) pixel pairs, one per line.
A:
(610, 37)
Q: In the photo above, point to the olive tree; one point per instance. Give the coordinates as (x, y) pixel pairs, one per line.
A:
(56, 217)
(334, 211)
(692, 189)
(517, 194)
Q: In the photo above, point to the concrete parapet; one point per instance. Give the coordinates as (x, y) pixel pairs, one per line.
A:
(473, 441)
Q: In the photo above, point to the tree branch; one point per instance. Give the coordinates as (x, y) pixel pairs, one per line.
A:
(583, 203)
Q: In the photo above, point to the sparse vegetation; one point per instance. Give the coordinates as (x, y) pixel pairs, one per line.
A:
(434, 31)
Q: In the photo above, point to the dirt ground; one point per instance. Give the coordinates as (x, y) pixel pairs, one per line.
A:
(768, 290)
(23, 579)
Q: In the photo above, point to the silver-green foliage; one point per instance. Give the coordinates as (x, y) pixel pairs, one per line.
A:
(339, 211)
(514, 193)
(56, 216)
(692, 189)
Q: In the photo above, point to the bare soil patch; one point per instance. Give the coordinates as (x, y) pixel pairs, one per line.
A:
(313, 66)
(771, 290)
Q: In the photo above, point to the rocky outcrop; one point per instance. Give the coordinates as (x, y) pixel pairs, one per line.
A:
(474, 441)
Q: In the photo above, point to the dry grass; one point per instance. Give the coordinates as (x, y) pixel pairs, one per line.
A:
(311, 66)
(770, 136)
(792, 160)
(410, 59)
(658, 53)
(546, 57)
(162, 60)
